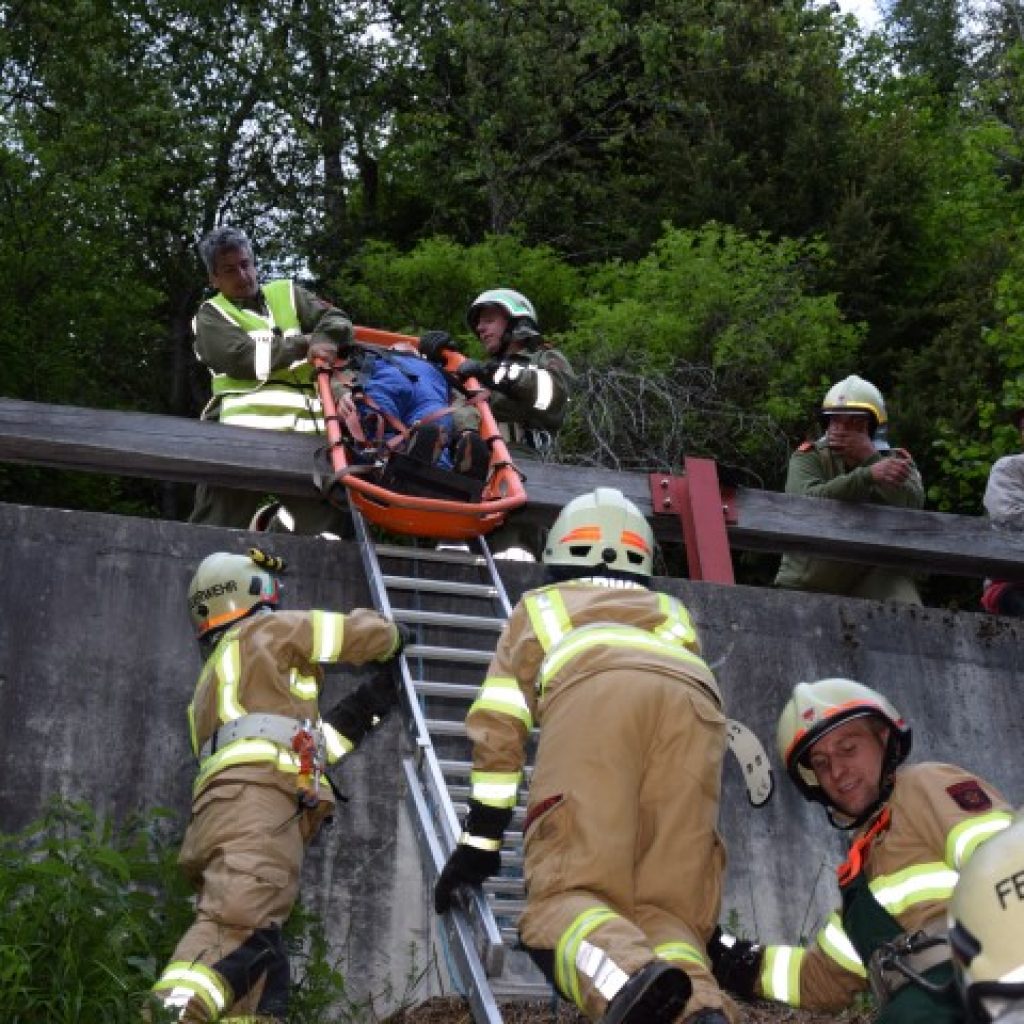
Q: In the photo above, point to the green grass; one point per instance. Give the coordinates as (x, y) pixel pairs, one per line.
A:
(93, 910)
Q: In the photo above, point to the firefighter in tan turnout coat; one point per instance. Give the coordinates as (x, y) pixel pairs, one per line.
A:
(916, 826)
(623, 863)
(260, 795)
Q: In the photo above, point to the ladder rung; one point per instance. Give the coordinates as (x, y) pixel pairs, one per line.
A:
(430, 652)
(443, 727)
(451, 619)
(507, 908)
(428, 554)
(429, 586)
(463, 769)
(506, 885)
(461, 691)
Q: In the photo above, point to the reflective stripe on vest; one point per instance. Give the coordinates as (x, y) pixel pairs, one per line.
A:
(574, 954)
(328, 636)
(921, 883)
(227, 676)
(965, 837)
(562, 642)
(836, 944)
(502, 694)
(680, 952)
(279, 400)
(495, 789)
(599, 634)
(780, 973)
(185, 980)
(544, 382)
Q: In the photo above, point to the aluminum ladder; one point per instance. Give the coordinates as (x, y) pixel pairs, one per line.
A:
(456, 592)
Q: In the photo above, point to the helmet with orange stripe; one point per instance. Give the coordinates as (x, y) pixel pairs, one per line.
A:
(815, 709)
(227, 588)
(601, 533)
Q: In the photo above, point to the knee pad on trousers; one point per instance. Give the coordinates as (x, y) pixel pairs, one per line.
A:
(263, 953)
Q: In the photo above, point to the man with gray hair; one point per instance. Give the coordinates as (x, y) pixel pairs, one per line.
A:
(259, 344)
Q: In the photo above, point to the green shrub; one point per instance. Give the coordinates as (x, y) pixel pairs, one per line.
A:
(93, 911)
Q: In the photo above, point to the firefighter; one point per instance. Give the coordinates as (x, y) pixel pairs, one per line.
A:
(852, 462)
(259, 344)
(260, 794)
(529, 382)
(986, 930)
(623, 862)
(915, 827)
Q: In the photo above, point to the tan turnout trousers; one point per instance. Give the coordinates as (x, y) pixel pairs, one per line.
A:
(623, 857)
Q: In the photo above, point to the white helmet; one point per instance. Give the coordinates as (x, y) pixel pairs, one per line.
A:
(986, 929)
(601, 530)
(522, 317)
(815, 709)
(856, 395)
(228, 587)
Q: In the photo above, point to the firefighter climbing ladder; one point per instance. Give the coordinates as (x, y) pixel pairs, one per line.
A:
(455, 592)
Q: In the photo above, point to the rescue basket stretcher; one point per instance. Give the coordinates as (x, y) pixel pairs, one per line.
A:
(406, 497)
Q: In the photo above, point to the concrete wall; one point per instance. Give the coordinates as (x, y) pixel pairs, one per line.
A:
(97, 665)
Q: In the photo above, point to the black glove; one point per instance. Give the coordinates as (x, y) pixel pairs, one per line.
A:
(434, 344)
(466, 866)
(365, 707)
(735, 963)
(484, 372)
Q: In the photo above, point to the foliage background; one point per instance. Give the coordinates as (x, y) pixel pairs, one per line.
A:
(718, 208)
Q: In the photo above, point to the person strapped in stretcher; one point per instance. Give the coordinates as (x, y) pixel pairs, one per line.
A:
(392, 400)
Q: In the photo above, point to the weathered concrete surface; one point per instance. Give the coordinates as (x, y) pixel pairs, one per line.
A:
(97, 664)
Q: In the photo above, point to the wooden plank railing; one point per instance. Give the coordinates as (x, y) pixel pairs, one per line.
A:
(185, 450)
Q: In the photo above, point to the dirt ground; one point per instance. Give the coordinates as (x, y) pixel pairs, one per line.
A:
(451, 1010)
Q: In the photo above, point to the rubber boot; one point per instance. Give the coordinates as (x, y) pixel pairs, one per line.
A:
(656, 994)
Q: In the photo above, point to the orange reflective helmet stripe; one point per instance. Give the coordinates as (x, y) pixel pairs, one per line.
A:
(593, 533)
(838, 709)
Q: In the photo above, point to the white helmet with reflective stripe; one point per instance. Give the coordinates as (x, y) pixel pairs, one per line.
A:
(986, 929)
(522, 317)
(228, 587)
(856, 395)
(815, 709)
(601, 530)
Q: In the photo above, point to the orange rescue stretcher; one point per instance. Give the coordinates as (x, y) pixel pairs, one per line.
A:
(401, 495)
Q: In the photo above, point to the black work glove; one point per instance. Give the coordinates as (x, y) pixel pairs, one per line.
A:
(484, 372)
(365, 707)
(735, 963)
(466, 866)
(434, 344)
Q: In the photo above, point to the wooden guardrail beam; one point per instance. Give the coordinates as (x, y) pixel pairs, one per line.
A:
(185, 450)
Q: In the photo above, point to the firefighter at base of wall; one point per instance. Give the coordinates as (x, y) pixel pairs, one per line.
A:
(261, 792)
(623, 861)
(914, 829)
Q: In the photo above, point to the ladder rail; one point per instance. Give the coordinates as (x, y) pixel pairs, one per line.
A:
(434, 811)
(460, 936)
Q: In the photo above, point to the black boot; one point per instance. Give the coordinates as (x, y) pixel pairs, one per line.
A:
(425, 444)
(656, 994)
(470, 455)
